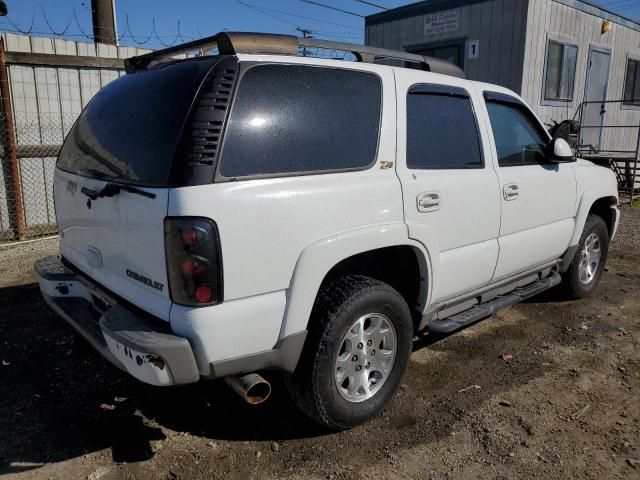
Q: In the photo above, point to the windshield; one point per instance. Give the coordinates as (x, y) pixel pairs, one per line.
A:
(130, 129)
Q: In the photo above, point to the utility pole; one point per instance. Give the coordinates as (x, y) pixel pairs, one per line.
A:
(306, 33)
(103, 14)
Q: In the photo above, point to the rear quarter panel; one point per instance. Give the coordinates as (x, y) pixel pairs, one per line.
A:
(265, 224)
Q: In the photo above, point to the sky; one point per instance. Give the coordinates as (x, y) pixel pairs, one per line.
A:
(158, 23)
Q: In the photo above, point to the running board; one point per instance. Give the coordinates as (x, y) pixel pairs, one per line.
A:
(484, 310)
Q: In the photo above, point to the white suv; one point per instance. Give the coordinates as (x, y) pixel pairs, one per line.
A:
(256, 209)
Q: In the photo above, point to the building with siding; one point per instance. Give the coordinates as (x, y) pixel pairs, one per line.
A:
(554, 53)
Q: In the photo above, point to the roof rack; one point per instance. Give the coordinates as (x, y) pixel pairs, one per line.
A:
(232, 43)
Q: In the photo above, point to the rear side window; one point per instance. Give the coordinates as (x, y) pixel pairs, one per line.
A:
(301, 119)
(130, 129)
(441, 129)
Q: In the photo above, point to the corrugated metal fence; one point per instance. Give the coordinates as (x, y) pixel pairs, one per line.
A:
(46, 83)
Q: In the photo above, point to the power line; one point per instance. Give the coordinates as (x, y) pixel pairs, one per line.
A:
(261, 10)
(371, 4)
(305, 31)
(314, 19)
(324, 5)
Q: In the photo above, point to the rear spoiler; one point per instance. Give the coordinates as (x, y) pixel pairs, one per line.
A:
(233, 43)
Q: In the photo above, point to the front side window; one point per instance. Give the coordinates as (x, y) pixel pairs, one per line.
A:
(441, 129)
(561, 71)
(632, 83)
(290, 119)
(519, 138)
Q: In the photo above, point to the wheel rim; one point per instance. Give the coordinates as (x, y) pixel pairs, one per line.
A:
(590, 256)
(365, 358)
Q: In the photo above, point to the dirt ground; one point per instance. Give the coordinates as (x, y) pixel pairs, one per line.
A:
(566, 406)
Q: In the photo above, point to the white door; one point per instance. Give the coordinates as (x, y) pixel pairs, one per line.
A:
(596, 94)
(450, 189)
(538, 197)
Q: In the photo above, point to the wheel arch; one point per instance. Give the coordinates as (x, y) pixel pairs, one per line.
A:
(356, 252)
(601, 201)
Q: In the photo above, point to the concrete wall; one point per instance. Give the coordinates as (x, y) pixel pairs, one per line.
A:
(498, 25)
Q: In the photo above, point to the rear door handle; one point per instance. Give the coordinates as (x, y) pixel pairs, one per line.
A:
(510, 191)
(428, 201)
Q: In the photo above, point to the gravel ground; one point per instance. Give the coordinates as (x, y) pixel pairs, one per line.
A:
(16, 261)
(566, 406)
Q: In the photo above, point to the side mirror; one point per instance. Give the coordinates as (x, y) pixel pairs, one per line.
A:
(560, 151)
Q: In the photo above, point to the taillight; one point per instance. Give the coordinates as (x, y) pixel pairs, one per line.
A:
(194, 264)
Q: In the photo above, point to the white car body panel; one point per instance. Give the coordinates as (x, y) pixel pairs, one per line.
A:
(281, 236)
(317, 259)
(592, 186)
(462, 232)
(542, 211)
(232, 329)
(126, 231)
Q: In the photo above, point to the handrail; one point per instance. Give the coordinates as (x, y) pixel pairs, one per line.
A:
(630, 175)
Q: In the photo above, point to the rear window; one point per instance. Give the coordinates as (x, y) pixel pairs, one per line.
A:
(130, 129)
(302, 119)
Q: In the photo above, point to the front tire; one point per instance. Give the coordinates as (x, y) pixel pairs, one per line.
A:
(587, 266)
(357, 350)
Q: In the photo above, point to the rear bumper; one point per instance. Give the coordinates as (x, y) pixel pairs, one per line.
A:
(146, 350)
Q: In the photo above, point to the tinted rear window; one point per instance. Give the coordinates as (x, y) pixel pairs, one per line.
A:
(130, 129)
(442, 132)
(290, 118)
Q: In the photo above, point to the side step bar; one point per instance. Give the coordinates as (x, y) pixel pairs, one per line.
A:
(484, 310)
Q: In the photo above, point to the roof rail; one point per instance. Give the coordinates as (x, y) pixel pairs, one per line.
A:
(232, 43)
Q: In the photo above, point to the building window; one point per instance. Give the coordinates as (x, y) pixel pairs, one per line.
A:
(561, 71)
(632, 83)
(451, 51)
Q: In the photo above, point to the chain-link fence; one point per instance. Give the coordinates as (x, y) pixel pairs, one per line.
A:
(29, 146)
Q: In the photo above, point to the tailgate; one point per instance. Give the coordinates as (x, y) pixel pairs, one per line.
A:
(118, 241)
(126, 138)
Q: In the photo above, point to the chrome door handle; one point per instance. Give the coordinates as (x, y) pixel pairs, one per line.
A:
(428, 201)
(510, 191)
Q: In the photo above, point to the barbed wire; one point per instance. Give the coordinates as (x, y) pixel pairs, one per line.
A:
(46, 20)
(25, 32)
(75, 15)
(127, 33)
(127, 28)
(163, 40)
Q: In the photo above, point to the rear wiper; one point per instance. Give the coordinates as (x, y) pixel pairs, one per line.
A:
(111, 189)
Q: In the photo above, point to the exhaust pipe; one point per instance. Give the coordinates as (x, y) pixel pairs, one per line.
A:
(251, 387)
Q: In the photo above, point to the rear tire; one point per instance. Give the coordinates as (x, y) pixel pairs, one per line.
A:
(587, 265)
(341, 379)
